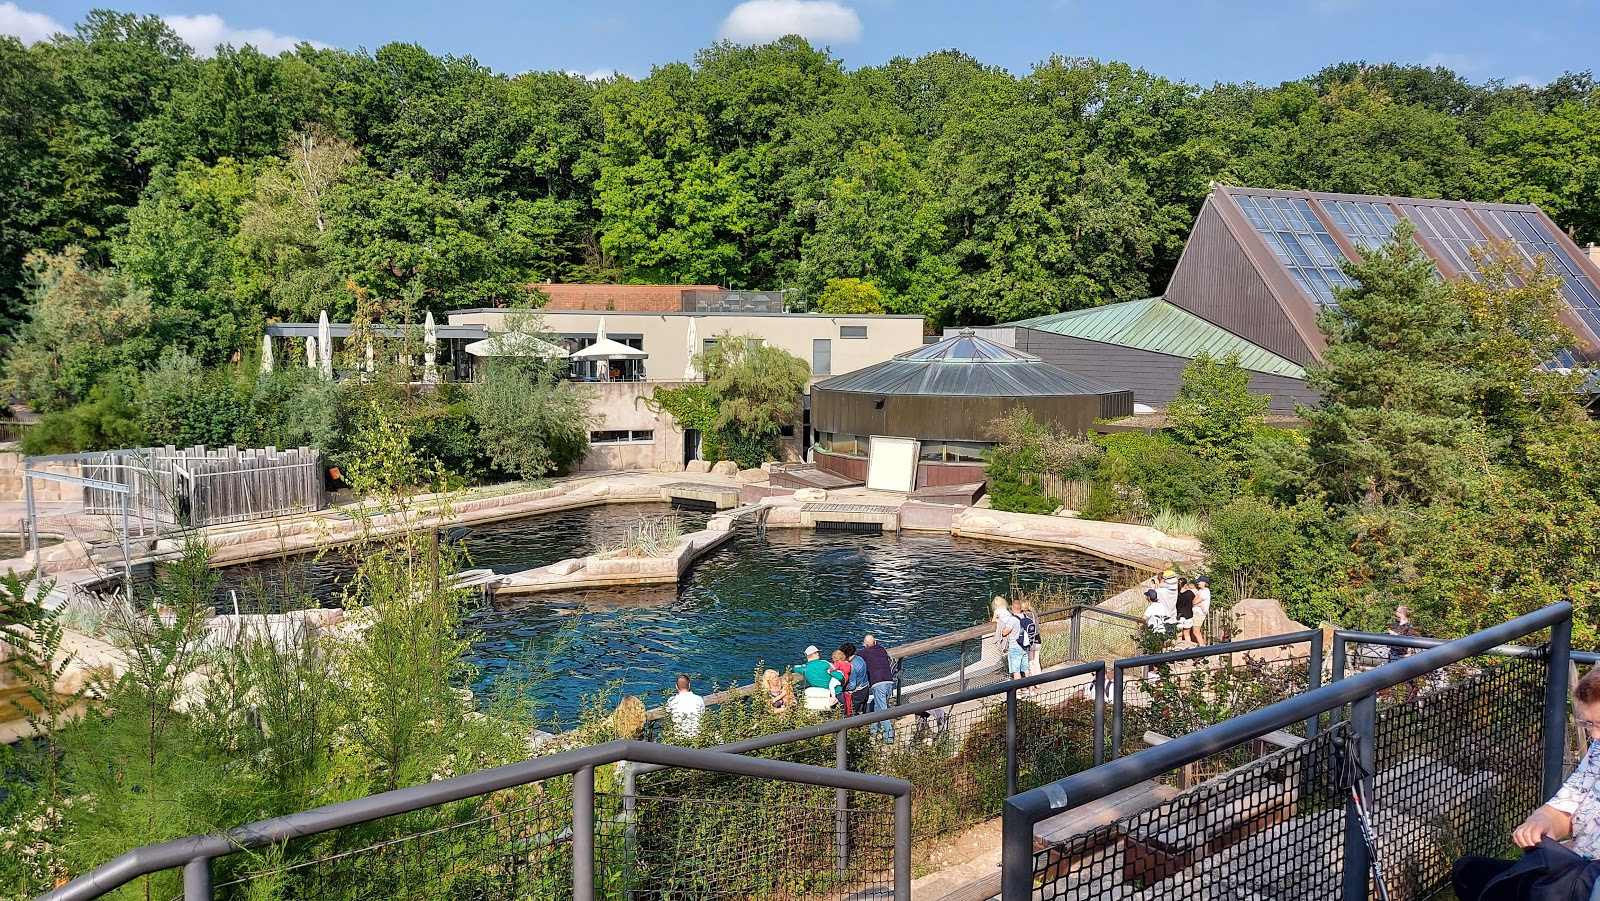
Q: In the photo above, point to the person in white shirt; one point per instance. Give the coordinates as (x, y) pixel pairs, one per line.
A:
(686, 708)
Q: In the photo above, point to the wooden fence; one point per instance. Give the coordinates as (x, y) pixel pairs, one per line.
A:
(199, 487)
(1072, 493)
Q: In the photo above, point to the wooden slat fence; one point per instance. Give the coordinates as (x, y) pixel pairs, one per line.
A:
(199, 486)
(1073, 493)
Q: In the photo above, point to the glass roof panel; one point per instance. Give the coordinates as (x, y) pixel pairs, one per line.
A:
(1301, 242)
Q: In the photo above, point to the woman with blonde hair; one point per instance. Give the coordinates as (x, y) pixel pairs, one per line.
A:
(779, 694)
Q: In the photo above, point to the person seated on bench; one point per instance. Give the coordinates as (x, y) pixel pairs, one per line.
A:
(1549, 870)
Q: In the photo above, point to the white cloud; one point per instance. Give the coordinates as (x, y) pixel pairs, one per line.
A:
(1526, 81)
(759, 21)
(600, 74)
(30, 27)
(205, 32)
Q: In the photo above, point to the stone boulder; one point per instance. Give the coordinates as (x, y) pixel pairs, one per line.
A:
(1259, 618)
(810, 494)
(697, 466)
(564, 567)
(600, 490)
(669, 466)
(752, 475)
(725, 468)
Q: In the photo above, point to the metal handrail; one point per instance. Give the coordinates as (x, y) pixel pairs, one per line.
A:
(1313, 675)
(845, 724)
(195, 853)
(1022, 811)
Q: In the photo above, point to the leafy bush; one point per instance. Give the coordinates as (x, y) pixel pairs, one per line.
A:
(1142, 474)
(850, 297)
(184, 405)
(106, 421)
(1027, 450)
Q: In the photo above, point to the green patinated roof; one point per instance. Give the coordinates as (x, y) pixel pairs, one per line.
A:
(1153, 324)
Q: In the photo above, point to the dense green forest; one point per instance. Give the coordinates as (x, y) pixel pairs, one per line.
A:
(244, 187)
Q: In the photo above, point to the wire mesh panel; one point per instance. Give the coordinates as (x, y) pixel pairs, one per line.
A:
(509, 845)
(1103, 635)
(1171, 700)
(1271, 829)
(672, 848)
(1458, 768)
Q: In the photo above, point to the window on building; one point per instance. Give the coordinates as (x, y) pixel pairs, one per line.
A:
(786, 431)
(852, 331)
(622, 436)
(821, 356)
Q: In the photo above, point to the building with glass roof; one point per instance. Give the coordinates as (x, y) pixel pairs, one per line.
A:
(1261, 263)
(1145, 345)
(945, 395)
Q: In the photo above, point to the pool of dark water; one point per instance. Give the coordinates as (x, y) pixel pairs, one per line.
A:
(759, 599)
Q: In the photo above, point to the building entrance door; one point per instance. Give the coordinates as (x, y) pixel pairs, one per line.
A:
(691, 445)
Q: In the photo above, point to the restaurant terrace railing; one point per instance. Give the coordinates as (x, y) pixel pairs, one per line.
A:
(1410, 772)
(540, 829)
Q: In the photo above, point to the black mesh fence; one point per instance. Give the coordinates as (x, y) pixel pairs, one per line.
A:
(783, 842)
(1171, 700)
(1457, 766)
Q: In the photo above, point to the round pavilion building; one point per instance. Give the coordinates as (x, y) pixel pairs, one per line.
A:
(944, 396)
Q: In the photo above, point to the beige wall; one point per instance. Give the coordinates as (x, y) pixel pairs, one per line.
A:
(666, 334)
(617, 405)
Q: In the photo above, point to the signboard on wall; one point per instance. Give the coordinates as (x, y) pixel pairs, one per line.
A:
(892, 463)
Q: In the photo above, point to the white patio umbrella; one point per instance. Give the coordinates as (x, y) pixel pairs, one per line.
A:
(430, 352)
(690, 373)
(605, 350)
(514, 344)
(325, 344)
(600, 331)
(311, 352)
(266, 353)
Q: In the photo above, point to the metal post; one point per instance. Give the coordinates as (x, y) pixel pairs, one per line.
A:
(630, 817)
(1016, 854)
(1116, 710)
(1100, 715)
(1556, 690)
(583, 834)
(1357, 857)
(1075, 636)
(841, 806)
(33, 516)
(1339, 655)
(902, 847)
(1011, 742)
(197, 880)
(1314, 681)
(127, 555)
(963, 665)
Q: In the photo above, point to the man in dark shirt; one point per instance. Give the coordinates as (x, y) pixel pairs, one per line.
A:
(880, 673)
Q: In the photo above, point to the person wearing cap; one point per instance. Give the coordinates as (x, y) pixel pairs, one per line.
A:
(817, 677)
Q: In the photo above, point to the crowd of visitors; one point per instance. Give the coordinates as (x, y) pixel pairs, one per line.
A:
(1178, 604)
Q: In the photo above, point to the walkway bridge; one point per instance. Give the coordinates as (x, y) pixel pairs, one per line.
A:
(1439, 753)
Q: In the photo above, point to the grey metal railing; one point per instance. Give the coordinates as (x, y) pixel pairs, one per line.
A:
(1311, 637)
(1023, 811)
(195, 854)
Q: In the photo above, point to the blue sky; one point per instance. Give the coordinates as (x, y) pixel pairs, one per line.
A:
(1200, 41)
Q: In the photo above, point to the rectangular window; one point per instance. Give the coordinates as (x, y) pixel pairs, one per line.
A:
(852, 331)
(786, 431)
(821, 356)
(622, 436)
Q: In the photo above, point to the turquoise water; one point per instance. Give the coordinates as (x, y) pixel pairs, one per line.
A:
(756, 600)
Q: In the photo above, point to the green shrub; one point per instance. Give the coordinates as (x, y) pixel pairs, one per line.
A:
(185, 405)
(106, 421)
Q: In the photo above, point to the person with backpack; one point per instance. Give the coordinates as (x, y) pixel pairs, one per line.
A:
(1008, 640)
(1028, 637)
(857, 687)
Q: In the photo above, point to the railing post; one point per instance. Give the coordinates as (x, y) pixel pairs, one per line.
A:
(1357, 856)
(630, 819)
(841, 806)
(583, 834)
(902, 847)
(1314, 681)
(1100, 715)
(1016, 855)
(1339, 660)
(963, 664)
(1075, 633)
(197, 880)
(1011, 742)
(1556, 690)
(1116, 709)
